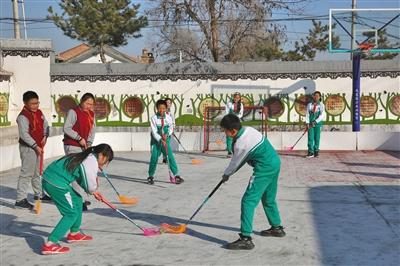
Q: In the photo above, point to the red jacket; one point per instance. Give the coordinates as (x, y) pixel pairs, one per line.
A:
(83, 126)
(36, 129)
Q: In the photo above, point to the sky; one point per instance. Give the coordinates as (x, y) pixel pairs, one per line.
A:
(37, 9)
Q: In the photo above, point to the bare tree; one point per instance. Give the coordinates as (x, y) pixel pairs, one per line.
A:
(217, 30)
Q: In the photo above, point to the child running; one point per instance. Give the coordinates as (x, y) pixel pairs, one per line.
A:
(57, 178)
(250, 146)
(233, 107)
(161, 130)
(33, 132)
(314, 116)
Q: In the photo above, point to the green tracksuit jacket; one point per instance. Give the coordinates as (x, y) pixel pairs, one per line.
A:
(57, 183)
(250, 146)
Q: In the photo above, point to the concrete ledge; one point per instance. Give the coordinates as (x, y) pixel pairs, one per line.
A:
(338, 140)
(379, 141)
(289, 139)
(119, 141)
(276, 139)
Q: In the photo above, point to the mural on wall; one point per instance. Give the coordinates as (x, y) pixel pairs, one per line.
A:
(281, 109)
(4, 100)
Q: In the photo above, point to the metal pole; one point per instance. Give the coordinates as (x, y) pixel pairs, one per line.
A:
(353, 27)
(356, 91)
(23, 16)
(16, 20)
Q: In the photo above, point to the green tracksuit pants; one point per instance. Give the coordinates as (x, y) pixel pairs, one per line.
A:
(229, 141)
(156, 149)
(314, 135)
(261, 187)
(69, 203)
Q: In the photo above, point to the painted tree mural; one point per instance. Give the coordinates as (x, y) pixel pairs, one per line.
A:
(136, 109)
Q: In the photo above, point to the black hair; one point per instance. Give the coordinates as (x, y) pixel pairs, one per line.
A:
(29, 95)
(239, 103)
(75, 159)
(315, 92)
(168, 99)
(87, 96)
(161, 102)
(231, 121)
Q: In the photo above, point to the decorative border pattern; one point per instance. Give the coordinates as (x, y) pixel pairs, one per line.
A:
(26, 53)
(215, 77)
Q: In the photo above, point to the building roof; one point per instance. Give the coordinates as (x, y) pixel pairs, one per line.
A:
(73, 52)
(83, 51)
(25, 48)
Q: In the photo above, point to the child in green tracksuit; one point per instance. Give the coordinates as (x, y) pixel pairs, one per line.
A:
(171, 114)
(314, 116)
(57, 178)
(250, 146)
(162, 129)
(233, 107)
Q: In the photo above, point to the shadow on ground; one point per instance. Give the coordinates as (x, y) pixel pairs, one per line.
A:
(10, 226)
(357, 225)
(156, 220)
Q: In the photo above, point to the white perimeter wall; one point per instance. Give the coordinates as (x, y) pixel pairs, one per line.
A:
(29, 73)
(189, 89)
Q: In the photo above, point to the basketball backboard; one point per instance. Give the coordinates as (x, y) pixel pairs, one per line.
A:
(348, 28)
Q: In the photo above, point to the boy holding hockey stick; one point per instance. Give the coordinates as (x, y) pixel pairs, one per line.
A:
(33, 132)
(161, 131)
(250, 146)
(168, 101)
(314, 116)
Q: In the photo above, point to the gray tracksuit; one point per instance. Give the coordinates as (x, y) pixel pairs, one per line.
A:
(30, 161)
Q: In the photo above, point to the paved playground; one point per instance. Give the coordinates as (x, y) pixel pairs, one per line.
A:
(340, 209)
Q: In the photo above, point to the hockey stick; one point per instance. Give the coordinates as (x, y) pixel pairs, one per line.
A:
(292, 147)
(194, 161)
(171, 176)
(146, 231)
(182, 227)
(122, 198)
(37, 207)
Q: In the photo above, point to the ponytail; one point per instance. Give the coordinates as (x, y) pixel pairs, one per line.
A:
(239, 103)
(75, 159)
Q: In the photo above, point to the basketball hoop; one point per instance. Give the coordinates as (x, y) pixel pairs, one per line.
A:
(365, 48)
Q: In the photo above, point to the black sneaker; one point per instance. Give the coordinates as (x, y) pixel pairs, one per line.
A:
(316, 154)
(150, 180)
(310, 155)
(85, 205)
(179, 180)
(274, 231)
(44, 198)
(244, 242)
(23, 204)
(229, 155)
(164, 161)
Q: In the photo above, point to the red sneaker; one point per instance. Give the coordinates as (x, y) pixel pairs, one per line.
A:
(78, 237)
(54, 249)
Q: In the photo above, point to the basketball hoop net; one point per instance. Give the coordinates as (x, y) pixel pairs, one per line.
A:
(365, 47)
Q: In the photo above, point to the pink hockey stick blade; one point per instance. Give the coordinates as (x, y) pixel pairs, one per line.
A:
(289, 148)
(151, 231)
